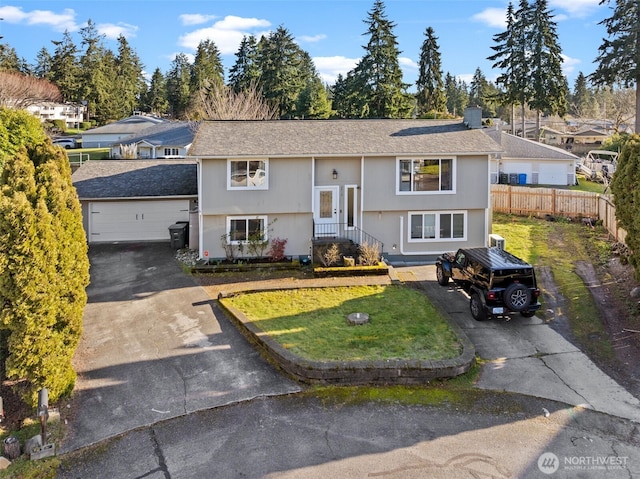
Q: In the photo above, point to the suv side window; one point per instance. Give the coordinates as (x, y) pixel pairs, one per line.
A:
(460, 257)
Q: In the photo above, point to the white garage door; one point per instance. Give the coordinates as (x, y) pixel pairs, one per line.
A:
(135, 220)
(552, 174)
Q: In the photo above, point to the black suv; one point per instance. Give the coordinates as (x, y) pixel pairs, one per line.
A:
(497, 282)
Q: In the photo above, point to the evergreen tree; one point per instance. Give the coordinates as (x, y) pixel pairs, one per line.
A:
(619, 55)
(9, 60)
(130, 84)
(283, 72)
(313, 102)
(97, 68)
(207, 66)
(18, 128)
(244, 74)
(178, 80)
(581, 99)
(430, 96)
(626, 197)
(65, 69)
(156, 97)
(377, 77)
(482, 93)
(457, 95)
(44, 62)
(44, 269)
(549, 85)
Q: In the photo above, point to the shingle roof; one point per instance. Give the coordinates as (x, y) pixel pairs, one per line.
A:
(338, 138)
(174, 133)
(136, 178)
(517, 147)
(131, 125)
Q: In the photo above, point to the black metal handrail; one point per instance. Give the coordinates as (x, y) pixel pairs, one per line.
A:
(344, 231)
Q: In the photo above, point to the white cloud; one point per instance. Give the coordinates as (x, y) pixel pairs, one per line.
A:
(113, 31)
(330, 67)
(226, 33)
(407, 62)
(575, 8)
(59, 22)
(492, 17)
(195, 18)
(311, 39)
(569, 65)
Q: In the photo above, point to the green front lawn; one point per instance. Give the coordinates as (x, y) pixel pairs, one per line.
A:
(312, 324)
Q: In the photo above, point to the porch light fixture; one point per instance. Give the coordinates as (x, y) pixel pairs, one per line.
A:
(335, 174)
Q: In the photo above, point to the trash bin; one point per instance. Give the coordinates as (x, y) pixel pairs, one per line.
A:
(504, 178)
(522, 179)
(513, 178)
(178, 234)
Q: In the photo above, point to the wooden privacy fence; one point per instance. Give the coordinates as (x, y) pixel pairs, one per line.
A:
(522, 200)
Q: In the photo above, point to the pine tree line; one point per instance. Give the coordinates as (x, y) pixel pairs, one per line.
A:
(527, 56)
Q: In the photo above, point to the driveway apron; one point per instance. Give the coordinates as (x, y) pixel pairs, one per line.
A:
(154, 347)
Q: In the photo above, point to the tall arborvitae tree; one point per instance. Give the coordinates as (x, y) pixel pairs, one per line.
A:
(18, 128)
(619, 55)
(282, 70)
(207, 66)
(178, 80)
(430, 95)
(457, 95)
(44, 270)
(244, 73)
(65, 69)
(549, 85)
(626, 197)
(156, 97)
(377, 76)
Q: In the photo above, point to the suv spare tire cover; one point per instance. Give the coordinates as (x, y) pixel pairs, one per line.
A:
(517, 297)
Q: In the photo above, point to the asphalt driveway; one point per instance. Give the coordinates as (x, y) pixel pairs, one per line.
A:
(154, 347)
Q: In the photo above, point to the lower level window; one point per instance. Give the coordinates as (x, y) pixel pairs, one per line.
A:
(242, 229)
(437, 226)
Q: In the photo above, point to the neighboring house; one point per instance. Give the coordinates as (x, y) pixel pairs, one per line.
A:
(71, 113)
(590, 136)
(107, 135)
(169, 139)
(419, 187)
(135, 200)
(553, 137)
(539, 163)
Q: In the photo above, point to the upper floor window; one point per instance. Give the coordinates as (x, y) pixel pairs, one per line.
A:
(171, 152)
(425, 175)
(247, 174)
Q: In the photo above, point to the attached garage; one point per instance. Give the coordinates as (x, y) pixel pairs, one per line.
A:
(142, 220)
(135, 200)
(553, 174)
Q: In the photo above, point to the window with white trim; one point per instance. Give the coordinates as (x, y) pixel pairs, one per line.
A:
(435, 226)
(242, 229)
(171, 152)
(425, 175)
(247, 174)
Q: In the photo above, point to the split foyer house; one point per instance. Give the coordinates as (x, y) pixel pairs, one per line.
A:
(416, 188)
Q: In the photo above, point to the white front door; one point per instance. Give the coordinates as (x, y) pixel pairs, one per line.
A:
(325, 214)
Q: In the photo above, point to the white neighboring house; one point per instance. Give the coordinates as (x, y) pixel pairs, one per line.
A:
(71, 113)
(531, 161)
(107, 135)
(167, 140)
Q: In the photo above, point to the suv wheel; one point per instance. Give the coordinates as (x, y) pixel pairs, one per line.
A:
(517, 297)
(477, 311)
(441, 276)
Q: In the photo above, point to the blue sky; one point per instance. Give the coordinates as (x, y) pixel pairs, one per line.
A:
(330, 30)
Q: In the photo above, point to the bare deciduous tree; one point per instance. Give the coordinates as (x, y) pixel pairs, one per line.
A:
(220, 102)
(21, 91)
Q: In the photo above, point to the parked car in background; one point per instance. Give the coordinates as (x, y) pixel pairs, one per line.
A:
(66, 143)
(497, 282)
